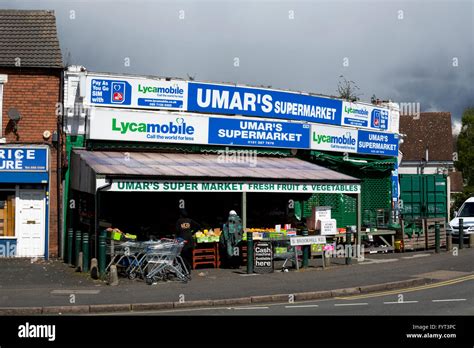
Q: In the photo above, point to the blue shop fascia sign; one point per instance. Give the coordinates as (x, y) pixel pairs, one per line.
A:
(23, 164)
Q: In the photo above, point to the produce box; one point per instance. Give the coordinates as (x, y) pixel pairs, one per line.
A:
(281, 250)
(257, 236)
(316, 248)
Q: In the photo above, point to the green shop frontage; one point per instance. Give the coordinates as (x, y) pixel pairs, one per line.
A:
(273, 163)
(141, 193)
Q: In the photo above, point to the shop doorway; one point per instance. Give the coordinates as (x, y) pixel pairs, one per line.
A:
(31, 223)
(148, 214)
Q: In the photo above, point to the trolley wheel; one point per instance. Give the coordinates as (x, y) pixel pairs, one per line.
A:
(132, 275)
(149, 281)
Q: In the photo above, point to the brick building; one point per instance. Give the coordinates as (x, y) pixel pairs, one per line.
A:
(30, 88)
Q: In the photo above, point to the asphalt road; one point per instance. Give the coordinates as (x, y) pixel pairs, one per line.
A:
(453, 297)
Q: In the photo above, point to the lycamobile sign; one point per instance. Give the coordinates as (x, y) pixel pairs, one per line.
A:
(160, 90)
(361, 111)
(177, 127)
(127, 92)
(333, 139)
(228, 186)
(143, 126)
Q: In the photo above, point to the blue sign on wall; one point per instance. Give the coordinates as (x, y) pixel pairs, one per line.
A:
(395, 182)
(23, 159)
(376, 143)
(110, 92)
(262, 103)
(244, 132)
(379, 119)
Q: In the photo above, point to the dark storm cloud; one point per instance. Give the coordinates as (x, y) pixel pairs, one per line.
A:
(398, 50)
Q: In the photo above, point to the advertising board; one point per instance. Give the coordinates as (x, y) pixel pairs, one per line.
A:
(136, 93)
(248, 132)
(262, 257)
(23, 159)
(124, 125)
(224, 99)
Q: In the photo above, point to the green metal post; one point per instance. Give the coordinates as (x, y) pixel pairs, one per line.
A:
(77, 247)
(461, 233)
(70, 238)
(85, 252)
(305, 251)
(249, 252)
(348, 245)
(437, 237)
(102, 252)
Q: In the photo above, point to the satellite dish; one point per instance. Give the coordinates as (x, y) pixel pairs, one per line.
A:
(14, 114)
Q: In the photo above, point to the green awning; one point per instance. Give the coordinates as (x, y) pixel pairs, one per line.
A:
(349, 161)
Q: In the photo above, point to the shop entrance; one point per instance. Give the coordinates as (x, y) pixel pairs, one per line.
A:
(148, 214)
(31, 215)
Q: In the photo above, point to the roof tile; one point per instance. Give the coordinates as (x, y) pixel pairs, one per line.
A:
(432, 131)
(30, 36)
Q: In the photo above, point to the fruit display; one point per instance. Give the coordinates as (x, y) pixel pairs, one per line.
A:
(268, 233)
(208, 236)
(116, 234)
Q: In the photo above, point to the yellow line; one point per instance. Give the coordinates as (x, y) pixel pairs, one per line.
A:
(418, 288)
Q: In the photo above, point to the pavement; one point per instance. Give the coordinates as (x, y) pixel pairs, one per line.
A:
(52, 287)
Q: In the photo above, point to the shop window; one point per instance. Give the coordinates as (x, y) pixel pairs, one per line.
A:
(7, 214)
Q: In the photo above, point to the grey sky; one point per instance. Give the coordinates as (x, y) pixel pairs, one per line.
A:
(406, 60)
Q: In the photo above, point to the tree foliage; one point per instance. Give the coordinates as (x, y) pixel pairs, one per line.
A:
(465, 147)
(347, 89)
(465, 154)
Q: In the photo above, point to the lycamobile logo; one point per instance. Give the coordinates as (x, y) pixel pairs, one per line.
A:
(178, 127)
(346, 139)
(160, 90)
(356, 111)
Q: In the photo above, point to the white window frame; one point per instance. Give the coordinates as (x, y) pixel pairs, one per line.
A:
(3, 79)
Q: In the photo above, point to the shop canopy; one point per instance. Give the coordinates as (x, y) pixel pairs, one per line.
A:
(229, 171)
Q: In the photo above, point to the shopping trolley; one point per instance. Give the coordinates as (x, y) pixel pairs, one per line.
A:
(164, 262)
(127, 257)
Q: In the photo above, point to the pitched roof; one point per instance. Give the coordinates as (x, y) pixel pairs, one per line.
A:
(431, 130)
(456, 181)
(30, 36)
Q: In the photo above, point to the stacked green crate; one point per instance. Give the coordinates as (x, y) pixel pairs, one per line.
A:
(375, 194)
(343, 207)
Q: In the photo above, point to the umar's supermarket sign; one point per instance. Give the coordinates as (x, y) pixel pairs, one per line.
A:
(169, 127)
(192, 96)
(222, 186)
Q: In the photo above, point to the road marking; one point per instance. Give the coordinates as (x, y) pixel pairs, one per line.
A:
(400, 302)
(249, 275)
(249, 308)
(417, 288)
(450, 300)
(302, 306)
(368, 261)
(415, 256)
(76, 292)
(351, 304)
